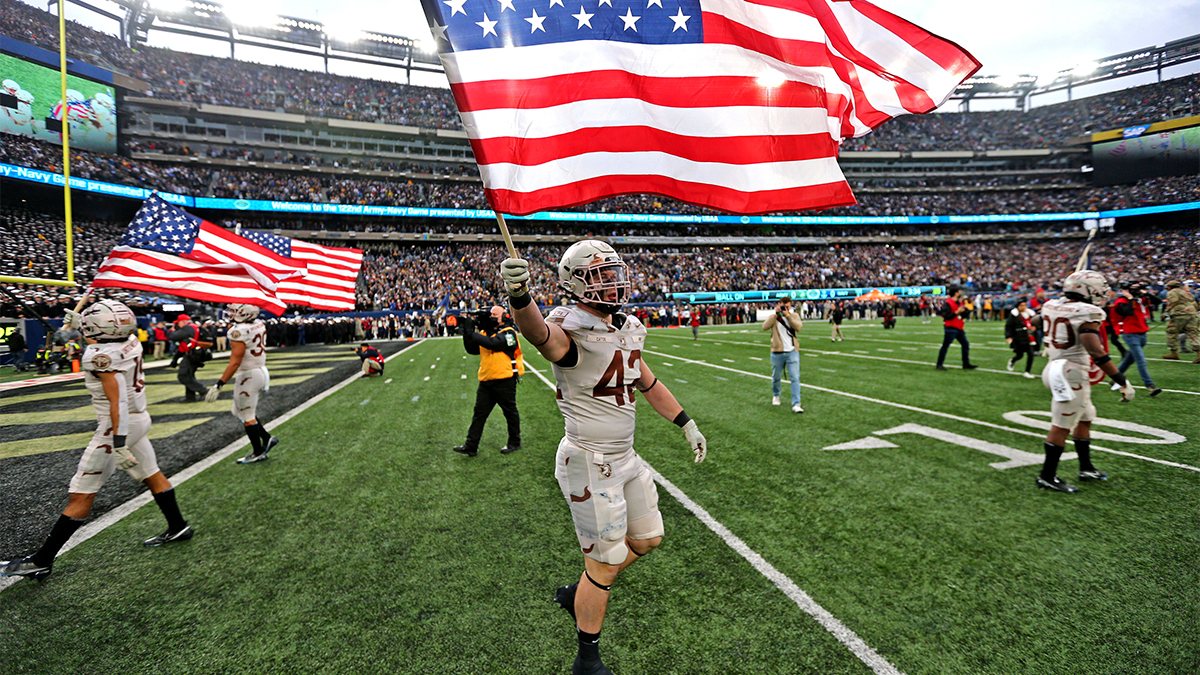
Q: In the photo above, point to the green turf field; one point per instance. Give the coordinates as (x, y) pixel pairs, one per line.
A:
(366, 546)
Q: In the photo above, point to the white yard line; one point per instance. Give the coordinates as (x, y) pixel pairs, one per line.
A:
(114, 516)
(866, 355)
(803, 600)
(1023, 432)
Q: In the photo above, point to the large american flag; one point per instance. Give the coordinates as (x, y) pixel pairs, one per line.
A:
(331, 271)
(730, 104)
(167, 250)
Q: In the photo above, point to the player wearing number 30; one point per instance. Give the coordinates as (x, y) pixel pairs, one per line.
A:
(248, 369)
(112, 367)
(596, 352)
(1072, 327)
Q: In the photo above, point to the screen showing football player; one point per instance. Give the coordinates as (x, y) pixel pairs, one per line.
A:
(248, 370)
(596, 352)
(113, 375)
(1072, 327)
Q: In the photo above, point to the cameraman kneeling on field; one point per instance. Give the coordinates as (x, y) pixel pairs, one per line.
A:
(492, 337)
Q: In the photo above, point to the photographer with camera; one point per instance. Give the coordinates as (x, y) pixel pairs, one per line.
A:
(192, 351)
(952, 312)
(490, 335)
(783, 325)
(1132, 309)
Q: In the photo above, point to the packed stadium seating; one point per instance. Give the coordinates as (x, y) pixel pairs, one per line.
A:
(419, 276)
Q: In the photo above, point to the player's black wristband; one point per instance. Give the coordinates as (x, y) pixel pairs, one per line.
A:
(118, 441)
(682, 419)
(220, 383)
(519, 301)
(1119, 379)
(1099, 361)
(1093, 331)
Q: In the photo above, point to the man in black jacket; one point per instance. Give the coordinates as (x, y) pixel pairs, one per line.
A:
(191, 348)
(1021, 336)
(500, 368)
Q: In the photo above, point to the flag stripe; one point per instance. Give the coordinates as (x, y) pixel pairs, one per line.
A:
(215, 244)
(760, 201)
(947, 55)
(616, 139)
(671, 92)
(128, 267)
(748, 178)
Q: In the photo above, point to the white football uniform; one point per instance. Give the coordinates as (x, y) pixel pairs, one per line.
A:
(1061, 320)
(97, 463)
(607, 486)
(251, 378)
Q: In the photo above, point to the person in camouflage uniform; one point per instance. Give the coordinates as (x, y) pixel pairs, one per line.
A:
(1181, 305)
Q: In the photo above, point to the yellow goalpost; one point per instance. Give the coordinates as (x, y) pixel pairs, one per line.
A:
(66, 144)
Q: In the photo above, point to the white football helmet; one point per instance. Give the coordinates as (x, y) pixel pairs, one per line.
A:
(242, 312)
(105, 101)
(590, 270)
(107, 320)
(1090, 284)
(11, 87)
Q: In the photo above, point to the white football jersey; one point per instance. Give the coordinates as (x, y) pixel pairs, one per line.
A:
(122, 358)
(596, 395)
(254, 335)
(1061, 319)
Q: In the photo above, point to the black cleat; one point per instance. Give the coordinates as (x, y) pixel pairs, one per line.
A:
(589, 668)
(1155, 391)
(1058, 485)
(253, 457)
(463, 449)
(509, 449)
(169, 537)
(24, 567)
(1091, 475)
(565, 597)
(970, 366)
(940, 368)
(270, 444)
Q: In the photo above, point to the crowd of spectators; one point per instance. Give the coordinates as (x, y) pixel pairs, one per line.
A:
(300, 159)
(937, 197)
(181, 76)
(421, 277)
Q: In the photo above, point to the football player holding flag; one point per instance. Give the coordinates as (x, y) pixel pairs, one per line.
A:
(112, 367)
(248, 366)
(596, 352)
(1072, 326)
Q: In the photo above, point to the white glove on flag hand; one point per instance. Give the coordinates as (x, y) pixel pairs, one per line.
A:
(696, 440)
(125, 458)
(72, 319)
(515, 273)
(213, 392)
(1127, 392)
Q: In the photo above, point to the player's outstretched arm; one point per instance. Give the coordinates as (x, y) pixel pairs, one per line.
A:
(1089, 337)
(663, 401)
(550, 340)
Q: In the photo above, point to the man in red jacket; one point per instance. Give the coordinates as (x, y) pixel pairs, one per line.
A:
(952, 313)
(1132, 310)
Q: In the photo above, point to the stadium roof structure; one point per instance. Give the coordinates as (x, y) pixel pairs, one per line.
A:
(240, 23)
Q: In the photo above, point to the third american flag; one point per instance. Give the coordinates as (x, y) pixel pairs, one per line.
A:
(735, 105)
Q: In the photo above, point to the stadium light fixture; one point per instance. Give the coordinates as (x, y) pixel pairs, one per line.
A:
(343, 31)
(171, 6)
(1085, 69)
(255, 14)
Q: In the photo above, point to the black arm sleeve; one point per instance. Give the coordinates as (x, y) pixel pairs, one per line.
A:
(495, 343)
(469, 341)
(1124, 308)
(182, 334)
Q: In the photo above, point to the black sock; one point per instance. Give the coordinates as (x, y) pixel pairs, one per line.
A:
(1083, 447)
(170, 509)
(255, 444)
(589, 646)
(263, 437)
(59, 534)
(1053, 452)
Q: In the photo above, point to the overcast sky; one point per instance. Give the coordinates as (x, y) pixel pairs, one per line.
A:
(1010, 37)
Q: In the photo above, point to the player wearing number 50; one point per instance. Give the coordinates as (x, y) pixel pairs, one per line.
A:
(248, 369)
(112, 367)
(596, 352)
(1072, 326)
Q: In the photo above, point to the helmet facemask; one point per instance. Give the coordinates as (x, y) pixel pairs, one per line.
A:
(606, 285)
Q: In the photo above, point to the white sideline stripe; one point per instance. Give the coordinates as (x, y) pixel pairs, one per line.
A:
(927, 411)
(803, 600)
(114, 516)
(866, 355)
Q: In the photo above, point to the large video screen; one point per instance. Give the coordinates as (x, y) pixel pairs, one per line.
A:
(1170, 153)
(31, 105)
